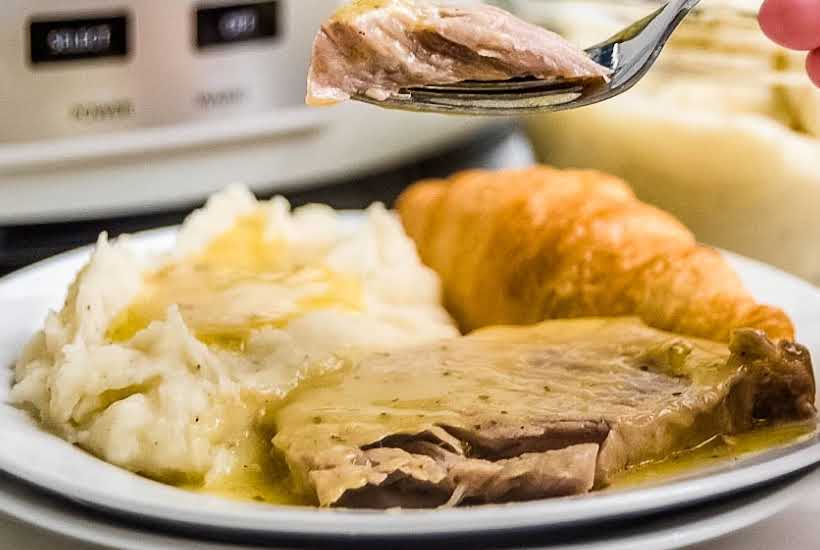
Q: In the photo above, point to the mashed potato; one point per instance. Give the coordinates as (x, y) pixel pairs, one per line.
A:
(164, 366)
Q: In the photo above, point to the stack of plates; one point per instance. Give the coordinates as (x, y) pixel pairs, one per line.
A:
(51, 484)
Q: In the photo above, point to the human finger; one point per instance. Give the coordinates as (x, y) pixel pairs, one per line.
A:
(794, 24)
(813, 66)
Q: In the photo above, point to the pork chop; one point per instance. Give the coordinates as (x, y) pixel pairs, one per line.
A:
(378, 47)
(509, 414)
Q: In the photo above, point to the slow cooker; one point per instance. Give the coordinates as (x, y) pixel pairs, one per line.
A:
(120, 107)
(121, 115)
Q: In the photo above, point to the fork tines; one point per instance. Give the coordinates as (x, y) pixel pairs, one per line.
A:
(501, 98)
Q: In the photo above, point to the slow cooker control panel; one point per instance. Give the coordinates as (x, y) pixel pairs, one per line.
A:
(231, 24)
(54, 41)
(84, 67)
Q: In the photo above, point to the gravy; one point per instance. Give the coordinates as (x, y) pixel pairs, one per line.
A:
(263, 478)
(240, 283)
(717, 452)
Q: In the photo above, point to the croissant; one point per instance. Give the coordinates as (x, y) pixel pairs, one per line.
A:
(519, 247)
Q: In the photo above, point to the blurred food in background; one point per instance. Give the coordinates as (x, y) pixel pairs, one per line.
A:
(724, 132)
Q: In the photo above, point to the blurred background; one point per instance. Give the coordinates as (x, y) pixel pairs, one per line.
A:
(123, 116)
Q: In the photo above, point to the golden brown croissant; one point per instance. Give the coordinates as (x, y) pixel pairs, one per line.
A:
(518, 247)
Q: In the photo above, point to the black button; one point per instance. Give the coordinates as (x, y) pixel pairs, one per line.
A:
(237, 23)
(57, 40)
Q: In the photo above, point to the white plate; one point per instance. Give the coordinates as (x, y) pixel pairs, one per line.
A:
(37, 457)
(673, 531)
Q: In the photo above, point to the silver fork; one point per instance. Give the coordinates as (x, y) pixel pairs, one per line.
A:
(629, 55)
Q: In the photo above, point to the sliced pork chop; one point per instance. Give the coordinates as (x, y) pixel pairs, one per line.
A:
(378, 47)
(529, 412)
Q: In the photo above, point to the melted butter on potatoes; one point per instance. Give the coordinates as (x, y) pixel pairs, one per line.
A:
(239, 284)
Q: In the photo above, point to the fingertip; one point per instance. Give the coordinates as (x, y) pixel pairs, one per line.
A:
(813, 66)
(793, 24)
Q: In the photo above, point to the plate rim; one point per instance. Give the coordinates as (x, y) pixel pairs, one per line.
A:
(295, 523)
(545, 514)
(780, 493)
